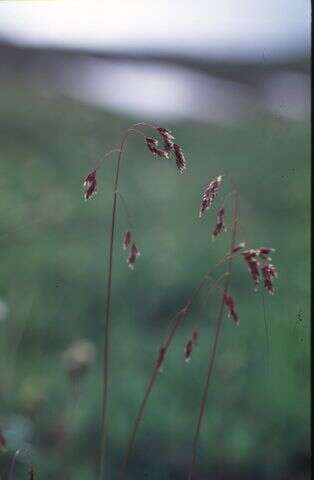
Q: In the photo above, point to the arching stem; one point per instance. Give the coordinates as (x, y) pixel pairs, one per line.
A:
(108, 311)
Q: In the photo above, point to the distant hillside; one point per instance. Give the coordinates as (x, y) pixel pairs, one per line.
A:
(50, 60)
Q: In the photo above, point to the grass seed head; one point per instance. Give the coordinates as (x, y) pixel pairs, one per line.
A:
(152, 145)
(134, 253)
(167, 138)
(269, 272)
(180, 158)
(230, 305)
(210, 194)
(250, 257)
(220, 224)
(90, 185)
(127, 240)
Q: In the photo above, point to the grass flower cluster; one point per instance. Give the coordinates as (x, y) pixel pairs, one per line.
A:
(164, 147)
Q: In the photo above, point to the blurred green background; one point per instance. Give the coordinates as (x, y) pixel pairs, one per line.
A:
(54, 250)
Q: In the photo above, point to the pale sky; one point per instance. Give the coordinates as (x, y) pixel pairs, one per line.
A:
(222, 27)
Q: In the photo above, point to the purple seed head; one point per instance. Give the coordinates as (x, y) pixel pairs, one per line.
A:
(134, 253)
(220, 224)
(152, 145)
(90, 185)
(230, 305)
(180, 158)
(209, 194)
(126, 240)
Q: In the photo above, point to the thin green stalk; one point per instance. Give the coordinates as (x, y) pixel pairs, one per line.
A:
(138, 419)
(132, 129)
(107, 315)
(215, 344)
(176, 321)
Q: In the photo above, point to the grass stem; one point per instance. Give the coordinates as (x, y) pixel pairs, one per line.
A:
(107, 315)
(215, 343)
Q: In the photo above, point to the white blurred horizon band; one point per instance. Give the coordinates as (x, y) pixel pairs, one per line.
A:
(248, 28)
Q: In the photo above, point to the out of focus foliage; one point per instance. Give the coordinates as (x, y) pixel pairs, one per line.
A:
(54, 250)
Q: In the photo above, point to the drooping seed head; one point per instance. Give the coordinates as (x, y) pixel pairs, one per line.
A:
(180, 158)
(230, 305)
(253, 267)
(269, 272)
(209, 194)
(90, 185)
(250, 257)
(165, 133)
(134, 253)
(220, 224)
(167, 138)
(152, 145)
(126, 240)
